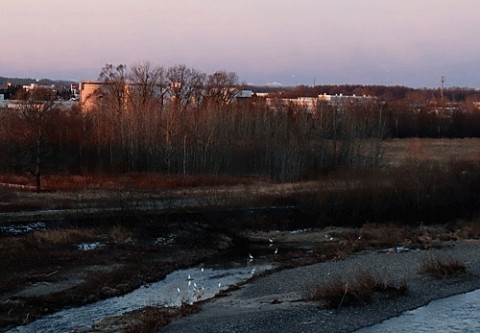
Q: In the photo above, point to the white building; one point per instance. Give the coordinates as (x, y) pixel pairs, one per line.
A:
(310, 104)
(33, 86)
(341, 100)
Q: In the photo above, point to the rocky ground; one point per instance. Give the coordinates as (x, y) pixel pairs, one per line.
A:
(277, 302)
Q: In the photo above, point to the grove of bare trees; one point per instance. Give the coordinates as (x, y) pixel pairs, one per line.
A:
(179, 120)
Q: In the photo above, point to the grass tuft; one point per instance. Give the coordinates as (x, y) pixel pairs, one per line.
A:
(360, 291)
(440, 269)
(152, 319)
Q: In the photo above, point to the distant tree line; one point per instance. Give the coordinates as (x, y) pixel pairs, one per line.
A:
(178, 120)
(409, 112)
(433, 120)
(386, 93)
(16, 91)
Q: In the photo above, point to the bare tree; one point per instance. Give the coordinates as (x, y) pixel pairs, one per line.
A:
(222, 87)
(147, 90)
(114, 79)
(185, 85)
(114, 108)
(148, 85)
(37, 110)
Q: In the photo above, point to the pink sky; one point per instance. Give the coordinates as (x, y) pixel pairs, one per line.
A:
(400, 42)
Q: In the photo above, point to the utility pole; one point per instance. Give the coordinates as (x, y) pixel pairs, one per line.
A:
(442, 79)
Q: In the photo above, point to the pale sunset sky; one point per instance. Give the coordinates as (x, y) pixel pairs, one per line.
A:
(390, 42)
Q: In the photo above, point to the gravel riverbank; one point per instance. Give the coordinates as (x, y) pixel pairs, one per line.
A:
(274, 303)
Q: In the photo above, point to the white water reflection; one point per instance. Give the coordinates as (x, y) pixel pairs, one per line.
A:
(183, 286)
(20, 229)
(89, 246)
(460, 313)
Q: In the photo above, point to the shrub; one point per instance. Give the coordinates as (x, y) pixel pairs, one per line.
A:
(361, 290)
(470, 229)
(60, 237)
(389, 234)
(120, 235)
(152, 319)
(440, 269)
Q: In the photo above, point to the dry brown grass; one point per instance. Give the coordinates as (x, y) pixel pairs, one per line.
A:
(401, 151)
(39, 240)
(150, 319)
(146, 320)
(56, 244)
(469, 229)
(61, 237)
(68, 238)
(129, 181)
(359, 291)
(120, 235)
(34, 254)
(440, 269)
(16, 179)
(379, 235)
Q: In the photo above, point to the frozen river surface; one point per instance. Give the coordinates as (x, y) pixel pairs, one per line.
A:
(460, 313)
(183, 286)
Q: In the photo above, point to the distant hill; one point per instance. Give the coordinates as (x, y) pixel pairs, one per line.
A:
(24, 81)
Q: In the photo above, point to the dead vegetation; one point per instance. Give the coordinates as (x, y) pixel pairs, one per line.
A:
(441, 268)
(147, 320)
(58, 245)
(137, 181)
(151, 319)
(426, 192)
(362, 289)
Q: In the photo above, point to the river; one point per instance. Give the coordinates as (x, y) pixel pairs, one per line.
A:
(460, 313)
(182, 286)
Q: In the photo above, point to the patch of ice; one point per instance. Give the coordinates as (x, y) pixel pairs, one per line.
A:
(299, 231)
(20, 229)
(89, 246)
(164, 240)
